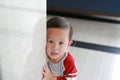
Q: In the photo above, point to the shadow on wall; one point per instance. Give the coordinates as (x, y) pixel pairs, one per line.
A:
(36, 58)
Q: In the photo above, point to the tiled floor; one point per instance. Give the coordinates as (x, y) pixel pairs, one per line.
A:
(94, 65)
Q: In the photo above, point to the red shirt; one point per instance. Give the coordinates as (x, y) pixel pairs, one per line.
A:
(66, 69)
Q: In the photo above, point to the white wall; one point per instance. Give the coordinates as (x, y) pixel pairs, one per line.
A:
(36, 58)
(20, 54)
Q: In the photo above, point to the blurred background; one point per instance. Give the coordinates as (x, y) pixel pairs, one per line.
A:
(18, 19)
(96, 26)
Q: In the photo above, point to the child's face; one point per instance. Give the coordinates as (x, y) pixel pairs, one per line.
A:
(57, 43)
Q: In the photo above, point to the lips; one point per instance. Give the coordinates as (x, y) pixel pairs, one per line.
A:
(54, 54)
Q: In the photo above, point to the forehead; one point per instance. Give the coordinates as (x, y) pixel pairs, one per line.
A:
(50, 30)
(57, 33)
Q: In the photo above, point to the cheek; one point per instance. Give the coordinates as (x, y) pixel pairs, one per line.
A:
(48, 48)
(66, 47)
(63, 49)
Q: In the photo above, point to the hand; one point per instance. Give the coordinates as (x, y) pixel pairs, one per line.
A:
(43, 76)
(47, 75)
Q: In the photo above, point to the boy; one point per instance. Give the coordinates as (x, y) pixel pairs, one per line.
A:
(60, 63)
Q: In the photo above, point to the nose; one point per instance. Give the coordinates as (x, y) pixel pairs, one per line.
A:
(55, 47)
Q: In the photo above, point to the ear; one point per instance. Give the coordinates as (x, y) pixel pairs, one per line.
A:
(69, 43)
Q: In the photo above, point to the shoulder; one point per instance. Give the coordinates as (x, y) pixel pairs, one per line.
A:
(69, 58)
(69, 62)
(70, 66)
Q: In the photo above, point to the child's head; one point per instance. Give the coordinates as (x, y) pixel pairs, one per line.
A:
(59, 34)
(60, 23)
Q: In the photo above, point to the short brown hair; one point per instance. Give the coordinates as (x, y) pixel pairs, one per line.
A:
(60, 22)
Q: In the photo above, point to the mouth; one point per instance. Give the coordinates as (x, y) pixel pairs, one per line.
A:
(54, 54)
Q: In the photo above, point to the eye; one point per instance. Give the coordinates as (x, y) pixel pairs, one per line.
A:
(50, 41)
(61, 43)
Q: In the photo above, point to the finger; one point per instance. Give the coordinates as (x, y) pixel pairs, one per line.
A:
(43, 69)
(42, 72)
(44, 78)
(44, 75)
(46, 66)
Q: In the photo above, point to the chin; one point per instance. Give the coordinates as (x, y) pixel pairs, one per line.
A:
(54, 58)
